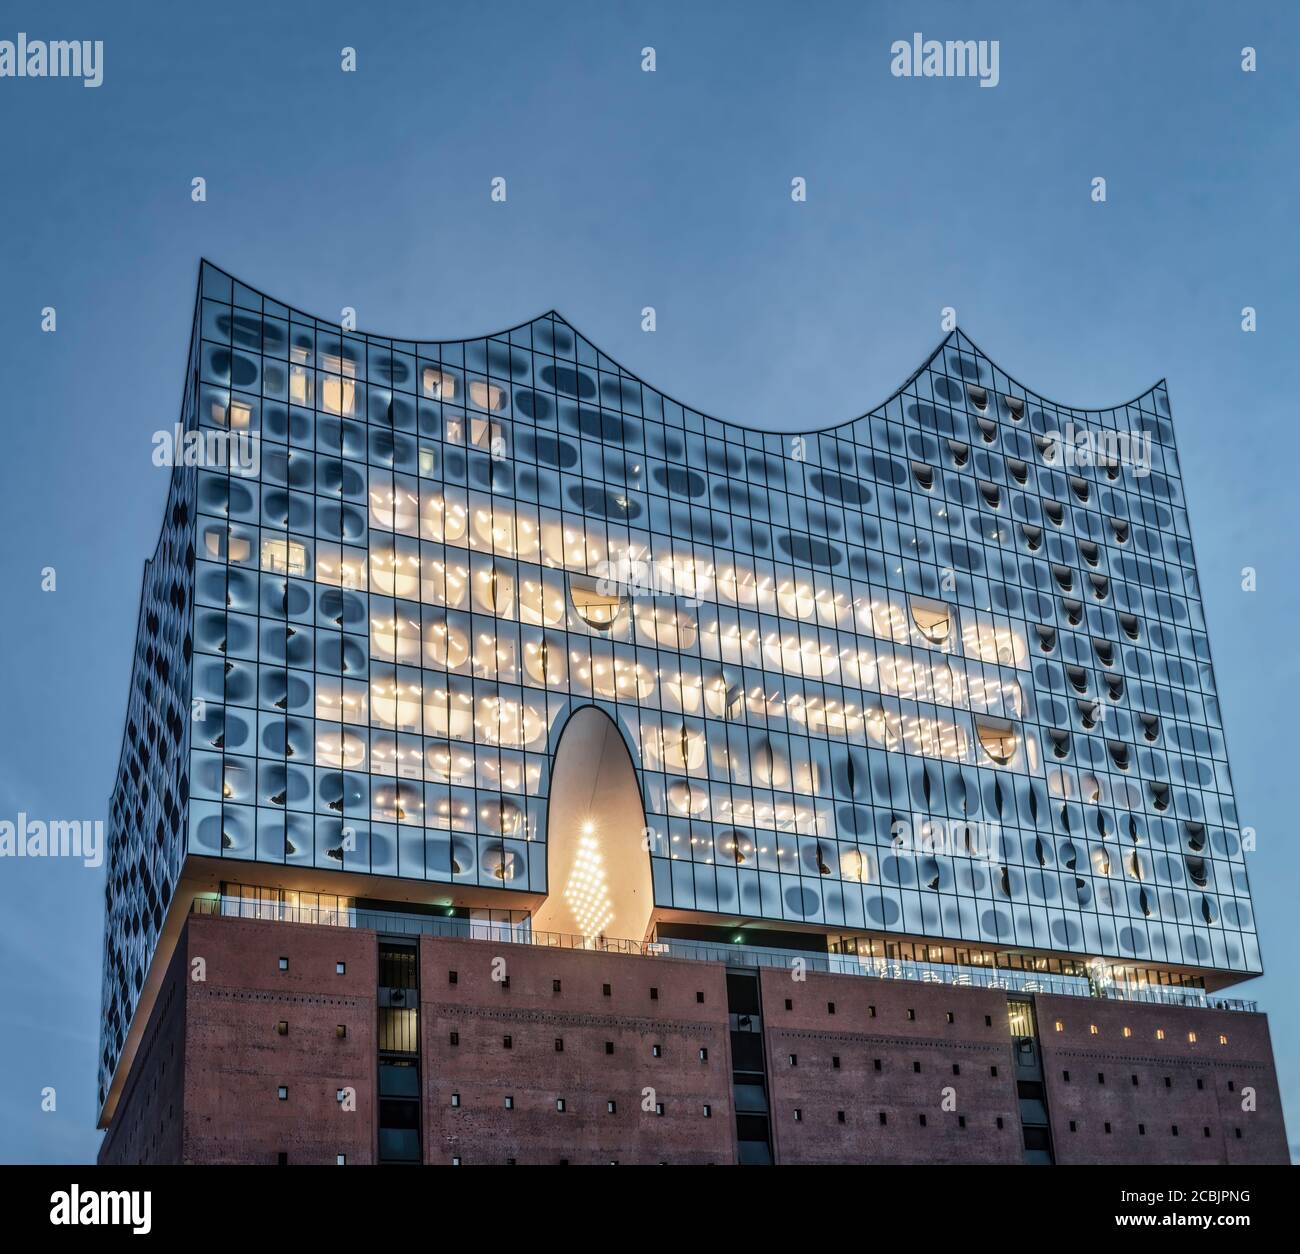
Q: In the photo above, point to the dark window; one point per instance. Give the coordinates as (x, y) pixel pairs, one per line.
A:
(1174, 1130)
(961, 1121)
(1074, 1127)
(704, 1054)
(876, 1061)
(789, 1005)
(1200, 1084)
(916, 1066)
(1107, 1127)
(830, 1007)
(956, 1068)
(451, 977)
(1142, 1129)
(699, 997)
(988, 1021)
(605, 990)
(999, 1121)
(993, 1071)
(871, 1012)
(609, 1047)
(507, 1042)
(923, 1121)
(559, 1044)
(839, 1115)
(1065, 1075)
(798, 1115)
(1135, 1081)
(612, 1107)
(654, 994)
(835, 1061)
(1101, 1077)
(555, 986)
(911, 1014)
(454, 1039)
(794, 1060)
(883, 1119)
(950, 1017)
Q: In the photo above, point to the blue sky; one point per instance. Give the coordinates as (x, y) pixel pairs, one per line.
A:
(627, 189)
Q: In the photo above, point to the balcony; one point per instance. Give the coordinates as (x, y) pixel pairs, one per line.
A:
(396, 923)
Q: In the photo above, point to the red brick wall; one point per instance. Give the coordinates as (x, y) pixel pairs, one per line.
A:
(483, 1072)
(147, 1126)
(977, 1042)
(1246, 1061)
(236, 1059)
(203, 1087)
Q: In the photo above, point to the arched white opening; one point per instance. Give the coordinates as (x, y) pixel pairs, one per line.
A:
(598, 869)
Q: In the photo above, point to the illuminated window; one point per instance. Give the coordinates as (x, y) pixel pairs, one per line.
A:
(933, 620)
(1060, 1027)
(338, 388)
(219, 543)
(1128, 1031)
(1020, 1015)
(1191, 1036)
(1092, 1028)
(285, 557)
(997, 739)
(1223, 1040)
(238, 415)
(487, 395)
(300, 385)
(595, 603)
(438, 384)
(1160, 1034)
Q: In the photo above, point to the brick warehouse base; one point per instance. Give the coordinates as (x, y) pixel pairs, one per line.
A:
(531, 1054)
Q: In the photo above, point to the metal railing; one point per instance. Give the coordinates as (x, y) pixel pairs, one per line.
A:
(1012, 979)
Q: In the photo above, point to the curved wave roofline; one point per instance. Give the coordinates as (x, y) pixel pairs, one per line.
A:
(964, 356)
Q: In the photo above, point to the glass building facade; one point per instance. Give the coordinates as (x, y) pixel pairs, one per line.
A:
(940, 672)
